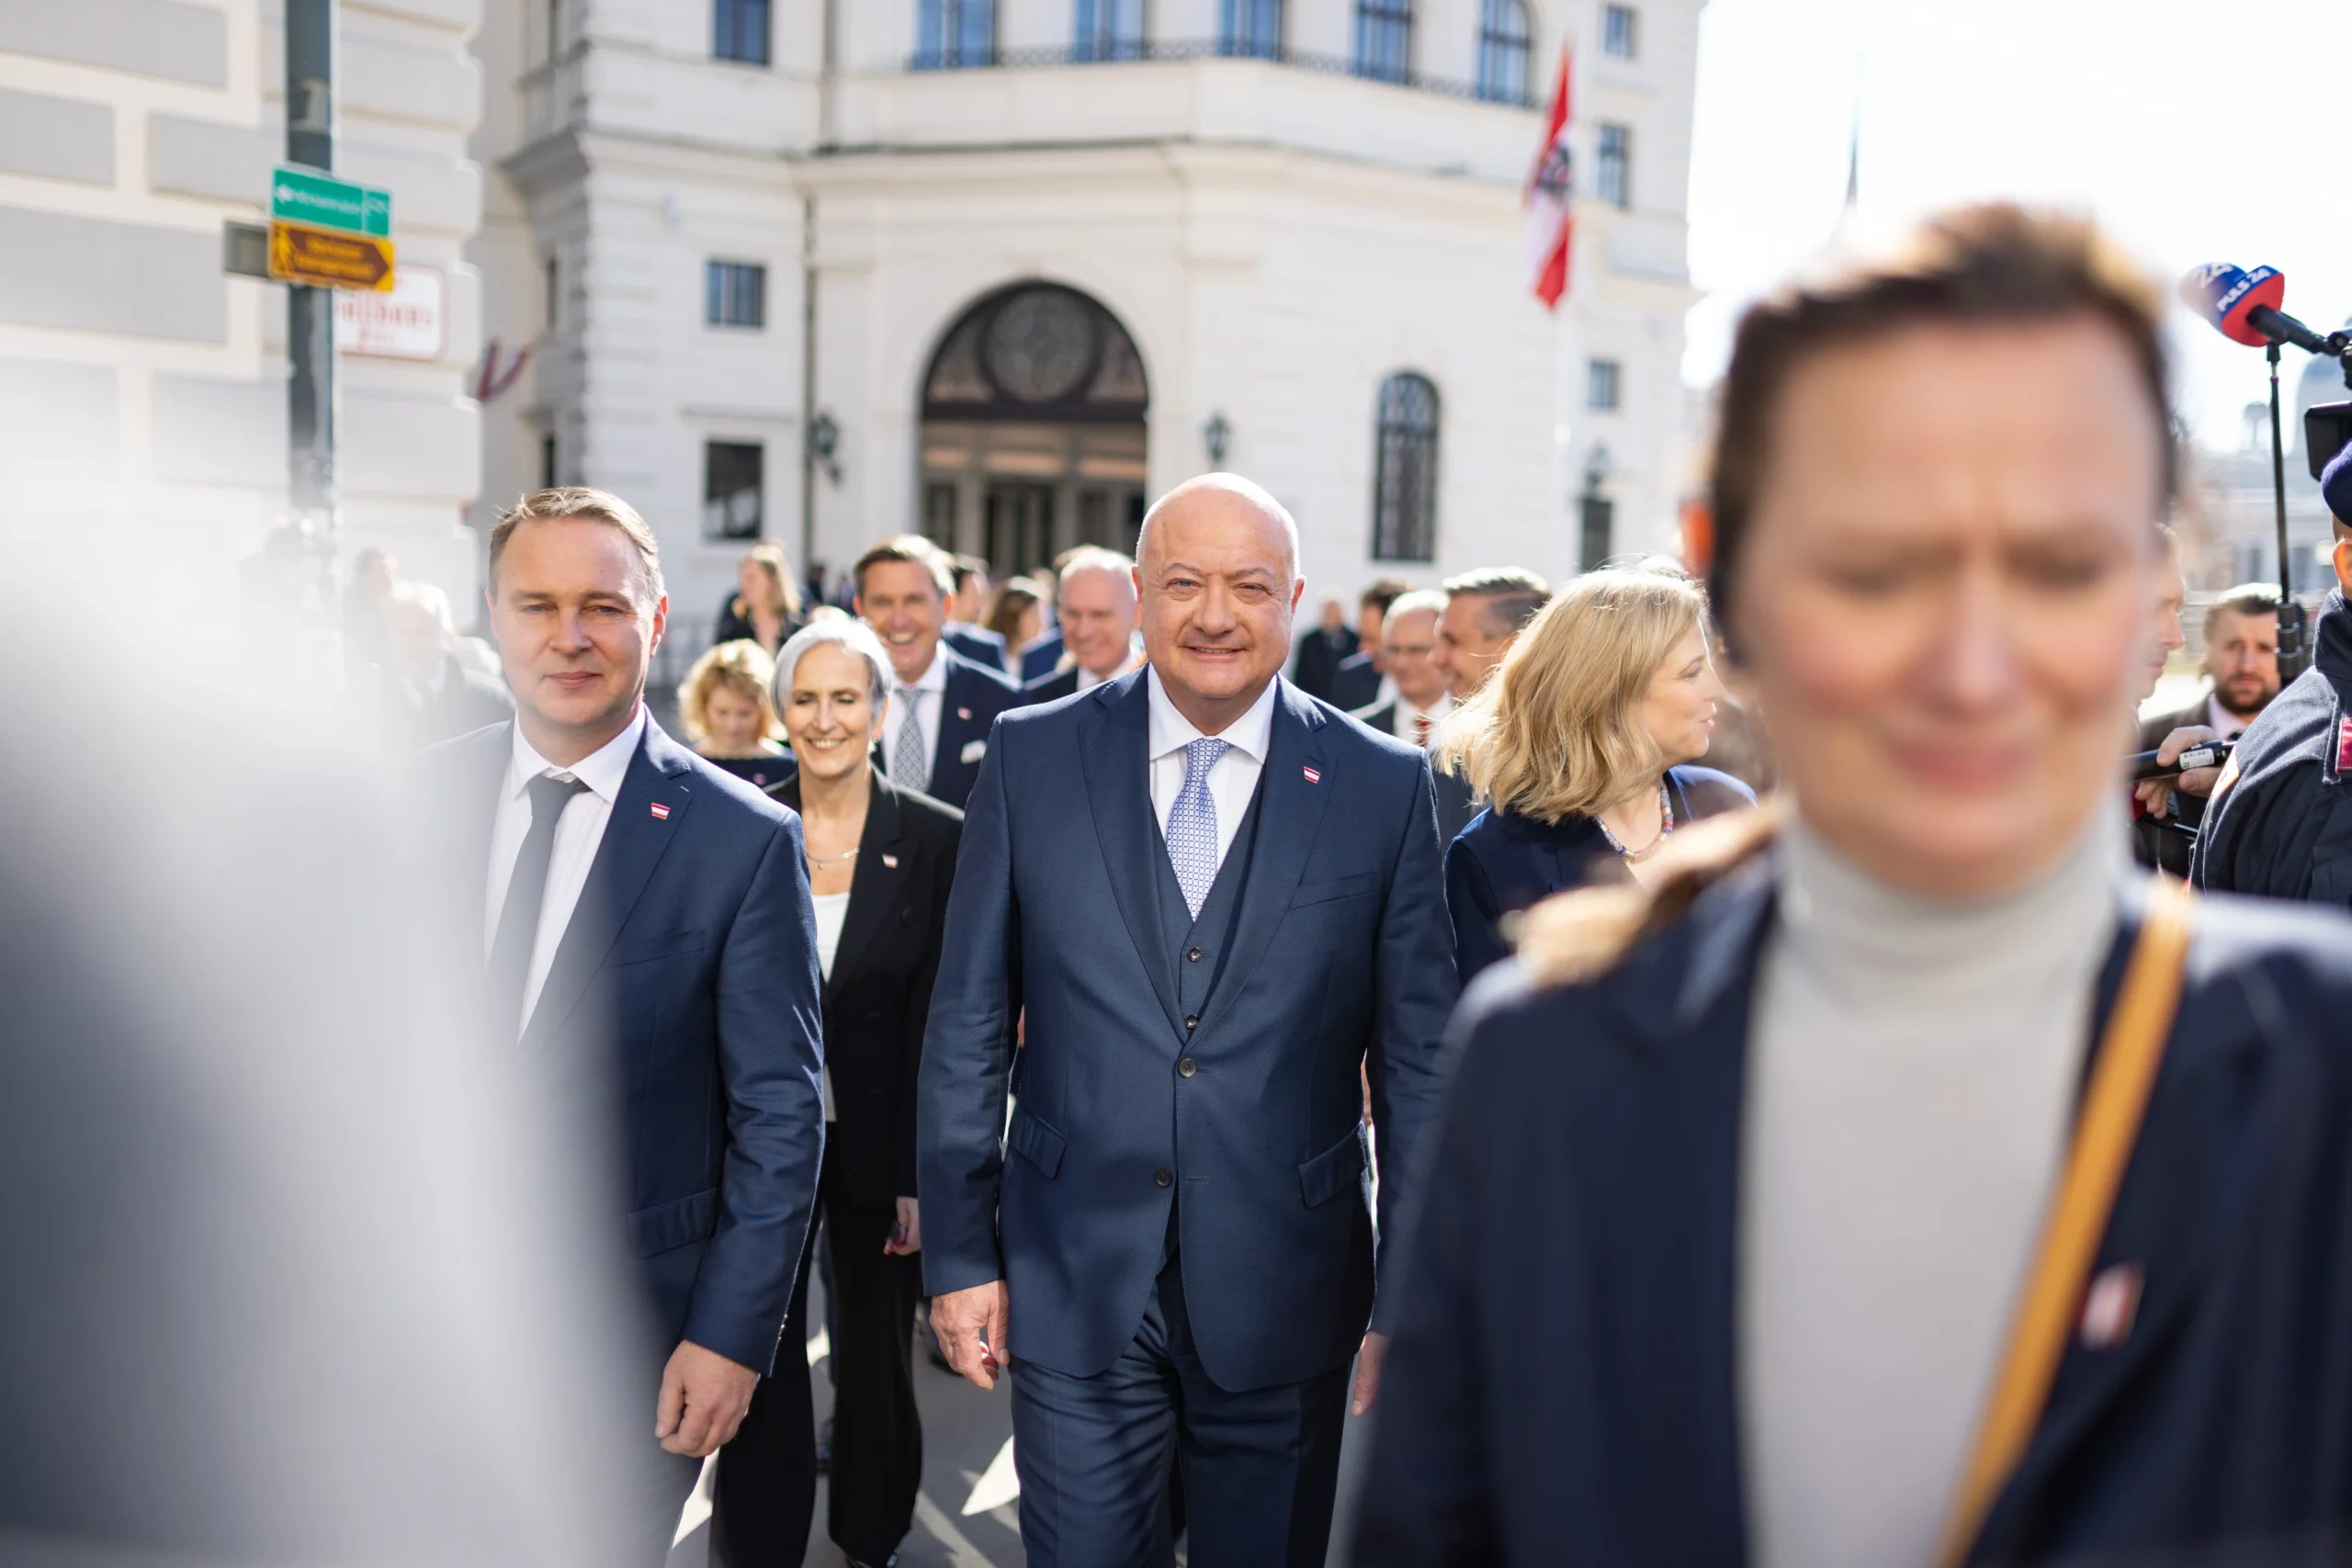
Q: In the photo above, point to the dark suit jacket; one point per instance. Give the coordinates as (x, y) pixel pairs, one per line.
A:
(681, 1011)
(1337, 959)
(1503, 862)
(974, 695)
(878, 995)
(467, 701)
(1050, 687)
(981, 646)
(2154, 845)
(1563, 1367)
(1039, 657)
(1319, 653)
(735, 624)
(1355, 682)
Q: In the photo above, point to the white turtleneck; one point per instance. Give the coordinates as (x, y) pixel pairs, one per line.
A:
(1912, 1074)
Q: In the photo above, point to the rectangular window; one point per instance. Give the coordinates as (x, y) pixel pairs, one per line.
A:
(952, 33)
(1385, 39)
(555, 294)
(735, 294)
(740, 31)
(547, 461)
(731, 472)
(1595, 519)
(1110, 29)
(1617, 37)
(1616, 175)
(1252, 28)
(1601, 378)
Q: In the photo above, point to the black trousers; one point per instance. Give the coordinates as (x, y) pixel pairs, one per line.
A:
(764, 1505)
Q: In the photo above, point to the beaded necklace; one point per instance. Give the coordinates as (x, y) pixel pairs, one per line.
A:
(1664, 826)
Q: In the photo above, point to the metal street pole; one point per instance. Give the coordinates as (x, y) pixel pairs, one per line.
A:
(310, 322)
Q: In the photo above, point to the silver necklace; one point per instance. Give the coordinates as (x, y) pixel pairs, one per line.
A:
(819, 863)
(1664, 826)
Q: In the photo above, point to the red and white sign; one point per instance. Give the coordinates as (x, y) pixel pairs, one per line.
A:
(409, 320)
(1551, 199)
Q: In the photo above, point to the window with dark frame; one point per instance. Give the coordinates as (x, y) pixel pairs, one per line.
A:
(547, 461)
(1618, 39)
(1110, 29)
(731, 474)
(1600, 384)
(950, 34)
(1404, 485)
(735, 294)
(1385, 39)
(1503, 43)
(740, 31)
(1252, 28)
(1615, 176)
(1596, 520)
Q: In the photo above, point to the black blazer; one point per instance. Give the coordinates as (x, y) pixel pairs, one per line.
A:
(879, 993)
(1564, 1365)
(735, 626)
(981, 646)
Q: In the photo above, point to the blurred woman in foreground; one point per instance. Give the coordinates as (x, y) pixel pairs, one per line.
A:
(1915, 1182)
(1581, 742)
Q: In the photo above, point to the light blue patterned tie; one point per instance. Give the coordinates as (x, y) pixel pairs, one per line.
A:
(1191, 825)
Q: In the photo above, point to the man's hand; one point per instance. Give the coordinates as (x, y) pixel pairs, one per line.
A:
(910, 1228)
(704, 1399)
(1368, 1357)
(970, 1325)
(2156, 794)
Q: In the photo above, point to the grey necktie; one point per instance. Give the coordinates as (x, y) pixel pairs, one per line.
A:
(906, 751)
(1192, 824)
(519, 920)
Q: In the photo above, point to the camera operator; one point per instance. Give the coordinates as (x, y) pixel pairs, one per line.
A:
(2241, 660)
(2280, 818)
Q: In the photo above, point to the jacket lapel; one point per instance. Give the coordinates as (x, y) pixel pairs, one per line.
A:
(881, 870)
(635, 840)
(955, 732)
(1117, 757)
(1289, 810)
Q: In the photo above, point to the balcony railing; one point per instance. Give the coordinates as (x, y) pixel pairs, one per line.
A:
(1213, 49)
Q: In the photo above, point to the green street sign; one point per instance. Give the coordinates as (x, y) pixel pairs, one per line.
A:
(306, 196)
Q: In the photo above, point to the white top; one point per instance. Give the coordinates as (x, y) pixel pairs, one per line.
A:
(1912, 1073)
(1234, 778)
(578, 832)
(931, 691)
(2226, 725)
(833, 908)
(1407, 714)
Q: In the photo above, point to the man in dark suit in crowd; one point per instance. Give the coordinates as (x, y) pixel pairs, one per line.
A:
(1320, 651)
(1408, 646)
(1217, 903)
(2241, 660)
(968, 600)
(1098, 609)
(1485, 612)
(652, 948)
(1361, 680)
(429, 695)
(943, 704)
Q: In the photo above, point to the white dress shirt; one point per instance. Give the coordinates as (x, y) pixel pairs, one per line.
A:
(930, 691)
(1407, 715)
(2226, 724)
(1234, 777)
(578, 832)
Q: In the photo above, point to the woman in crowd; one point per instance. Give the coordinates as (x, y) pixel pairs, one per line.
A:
(765, 605)
(723, 703)
(1901, 1178)
(880, 861)
(1018, 615)
(1582, 743)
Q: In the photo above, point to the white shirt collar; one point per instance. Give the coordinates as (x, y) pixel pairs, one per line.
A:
(934, 676)
(1172, 731)
(601, 769)
(1435, 711)
(2224, 722)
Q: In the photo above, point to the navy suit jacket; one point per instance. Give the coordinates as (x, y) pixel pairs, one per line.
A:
(981, 646)
(1503, 862)
(1355, 682)
(1337, 959)
(1039, 657)
(1051, 687)
(1562, 1367)
(681, 1012)
(974, 695)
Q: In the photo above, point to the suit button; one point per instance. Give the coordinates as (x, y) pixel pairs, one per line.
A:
(1192, 1021)
(1194, 956)
(1163, 1179)
(1187, 1068)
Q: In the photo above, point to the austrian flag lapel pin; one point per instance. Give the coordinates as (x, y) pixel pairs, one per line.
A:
(660, 812)
(2342, 747)
(1312, 776)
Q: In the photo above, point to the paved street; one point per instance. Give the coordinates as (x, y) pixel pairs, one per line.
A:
(968, 1514)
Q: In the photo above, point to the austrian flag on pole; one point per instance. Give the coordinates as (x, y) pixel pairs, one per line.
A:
(1550, 200)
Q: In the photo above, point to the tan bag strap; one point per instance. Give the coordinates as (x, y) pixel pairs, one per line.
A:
(2104, 1134)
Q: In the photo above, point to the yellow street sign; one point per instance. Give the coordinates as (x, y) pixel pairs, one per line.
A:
(328, 259)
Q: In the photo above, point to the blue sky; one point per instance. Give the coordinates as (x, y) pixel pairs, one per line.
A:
(2173, 123)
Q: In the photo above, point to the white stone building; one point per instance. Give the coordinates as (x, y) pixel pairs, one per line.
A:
(1021, 263)
(139, 380)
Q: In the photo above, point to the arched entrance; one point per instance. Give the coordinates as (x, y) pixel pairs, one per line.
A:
(1032, 429)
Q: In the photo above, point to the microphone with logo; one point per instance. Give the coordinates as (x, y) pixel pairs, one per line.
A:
(2244, 307)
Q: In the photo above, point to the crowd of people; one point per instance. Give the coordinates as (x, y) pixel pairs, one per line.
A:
(1885, 1174)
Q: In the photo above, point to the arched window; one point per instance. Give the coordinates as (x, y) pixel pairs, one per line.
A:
(950, 33)
(1404, 485)
(1110, 29)
(1385, 39)
(1251, 27)
(1502, 52)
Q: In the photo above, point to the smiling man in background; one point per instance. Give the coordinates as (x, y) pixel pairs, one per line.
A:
(1098, 620)
(942, 702)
